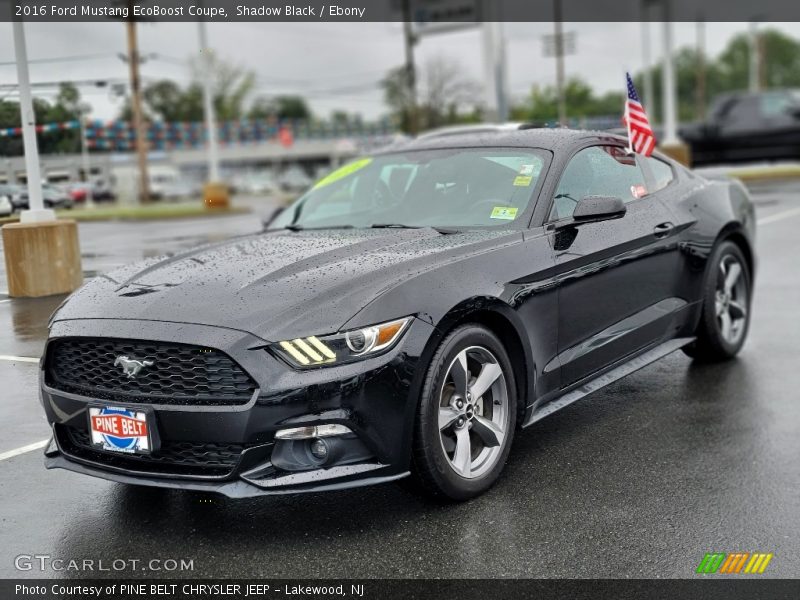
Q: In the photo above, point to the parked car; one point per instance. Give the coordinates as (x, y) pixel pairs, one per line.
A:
(102, 191)
(747, 127)
(56, 197)
(177, 189)
(79, 192)
(14, 193)
(294, 179)
(52, 197)
(6, 208)
(391, 325)
(258, 184)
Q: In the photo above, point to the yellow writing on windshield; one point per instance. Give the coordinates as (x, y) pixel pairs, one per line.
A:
(342, 172)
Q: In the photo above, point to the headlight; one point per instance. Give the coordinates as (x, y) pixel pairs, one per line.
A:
(341, 348)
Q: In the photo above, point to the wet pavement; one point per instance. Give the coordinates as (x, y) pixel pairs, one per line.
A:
(638, 480)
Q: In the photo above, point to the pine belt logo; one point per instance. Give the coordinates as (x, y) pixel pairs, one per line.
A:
(734, 563)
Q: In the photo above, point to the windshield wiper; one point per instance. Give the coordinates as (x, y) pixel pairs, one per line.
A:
(393, 226)
(442, 230)
(296, 227)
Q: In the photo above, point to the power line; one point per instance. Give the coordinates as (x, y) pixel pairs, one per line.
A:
(58, 59)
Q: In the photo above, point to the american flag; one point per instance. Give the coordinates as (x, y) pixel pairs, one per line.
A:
(640, 136)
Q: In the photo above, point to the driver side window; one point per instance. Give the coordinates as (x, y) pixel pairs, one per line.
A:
(598, 171)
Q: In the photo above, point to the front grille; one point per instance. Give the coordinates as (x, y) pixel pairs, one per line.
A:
(179, 373)
(175, 458)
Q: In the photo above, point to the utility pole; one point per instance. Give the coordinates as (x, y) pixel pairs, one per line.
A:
(36, 211)
(649, 93)
(755, 77)
(136, 105)
(700, 87)
(559, 52)
(208, 106)
(668, 86)
(411, 75)
(87, 172)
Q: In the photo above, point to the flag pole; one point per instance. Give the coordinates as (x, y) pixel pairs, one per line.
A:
(627, 120)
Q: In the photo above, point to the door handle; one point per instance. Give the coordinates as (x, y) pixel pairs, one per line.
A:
(663, 229)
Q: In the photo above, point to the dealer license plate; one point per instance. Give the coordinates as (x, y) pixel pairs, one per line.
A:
(120, 429)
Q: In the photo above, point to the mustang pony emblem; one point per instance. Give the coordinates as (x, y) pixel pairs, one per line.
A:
(130, 366)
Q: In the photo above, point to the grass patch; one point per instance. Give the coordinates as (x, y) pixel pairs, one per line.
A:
(147, 212)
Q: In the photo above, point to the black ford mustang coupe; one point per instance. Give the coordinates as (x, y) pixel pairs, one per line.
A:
(406, 316)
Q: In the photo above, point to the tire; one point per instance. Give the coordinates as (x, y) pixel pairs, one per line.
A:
(725, 314)
(465, 457)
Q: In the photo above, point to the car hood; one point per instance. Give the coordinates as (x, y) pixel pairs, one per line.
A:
(276, 285)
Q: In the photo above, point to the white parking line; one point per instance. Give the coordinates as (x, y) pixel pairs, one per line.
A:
(8, 300)
(27, 359)
(23, 450)
(778, 217)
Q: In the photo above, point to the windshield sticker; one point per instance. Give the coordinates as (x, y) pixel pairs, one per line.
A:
(342, 172)
(523, 180)
(509, 213)
(526, 170)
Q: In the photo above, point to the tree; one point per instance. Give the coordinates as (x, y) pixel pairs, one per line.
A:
(66, 107)
(729, 72)
(446, 96)
(281, 107)
(542, 104)
(445, 91)
(397, 96)
(165, 100)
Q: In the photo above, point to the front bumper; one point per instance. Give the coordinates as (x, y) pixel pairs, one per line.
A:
(375, 398)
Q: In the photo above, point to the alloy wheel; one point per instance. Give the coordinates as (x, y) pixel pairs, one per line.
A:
(730, 299)
(473, 412)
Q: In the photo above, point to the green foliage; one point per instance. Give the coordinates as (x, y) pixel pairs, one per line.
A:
(542, 105)
(282, 107)
(65, 107)
(728, 72)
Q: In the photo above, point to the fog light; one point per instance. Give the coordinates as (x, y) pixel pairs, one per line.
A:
(319, 449)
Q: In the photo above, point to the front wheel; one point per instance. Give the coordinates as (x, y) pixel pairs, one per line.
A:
(725, 316)
(466, 416)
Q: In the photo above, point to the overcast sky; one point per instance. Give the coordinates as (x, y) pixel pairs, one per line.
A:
(321, 61)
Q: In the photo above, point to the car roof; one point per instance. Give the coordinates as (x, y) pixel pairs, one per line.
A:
(547, 138)
(473, 128)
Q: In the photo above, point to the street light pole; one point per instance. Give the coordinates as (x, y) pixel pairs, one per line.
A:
(649, 94)
(754, 75)
(668, 86)
(559, 51)
(700, 97)
(41, 254)
(87, 172)
(36, 211)
(208, 106)
(410, 71)
(136, 105)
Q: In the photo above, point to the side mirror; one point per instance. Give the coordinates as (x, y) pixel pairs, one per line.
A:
(271, 218)
(599, 208)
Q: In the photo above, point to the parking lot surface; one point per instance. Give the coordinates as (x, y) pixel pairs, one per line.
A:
(640, 479)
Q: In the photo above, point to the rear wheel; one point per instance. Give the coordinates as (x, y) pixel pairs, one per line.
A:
(466, 416)
(725, 316)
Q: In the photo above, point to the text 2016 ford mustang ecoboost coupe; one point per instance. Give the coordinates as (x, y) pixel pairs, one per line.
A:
(405, 316)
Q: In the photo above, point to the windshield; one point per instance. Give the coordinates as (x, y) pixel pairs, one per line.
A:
(476, 187)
